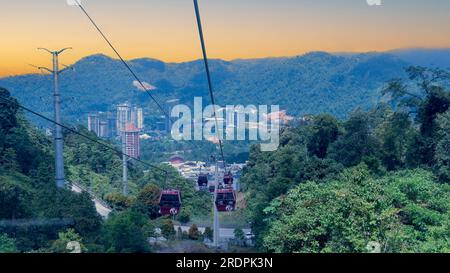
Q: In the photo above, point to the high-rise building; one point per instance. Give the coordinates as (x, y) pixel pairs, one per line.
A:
(94, 123)
(132, 141)
(140, 118)
(103, 129)
(112, 124)
(123, 117)
(137, 117)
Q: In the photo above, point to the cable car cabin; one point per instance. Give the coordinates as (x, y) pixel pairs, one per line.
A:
(226, 200)
(228, 179)
(170, 202)
(202, 181)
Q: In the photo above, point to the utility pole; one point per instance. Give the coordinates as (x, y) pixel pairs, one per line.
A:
(216, 229)
(58, 135)
(124, 164)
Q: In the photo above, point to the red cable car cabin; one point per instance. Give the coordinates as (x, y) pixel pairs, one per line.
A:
(228, 179)
(170, 202)
(202, 180)
(225, 200)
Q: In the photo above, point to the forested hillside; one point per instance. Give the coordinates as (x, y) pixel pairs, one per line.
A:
(35, 216)
(378, 181)
(27, 189)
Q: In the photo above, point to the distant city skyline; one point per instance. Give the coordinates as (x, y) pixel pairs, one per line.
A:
(234, 29)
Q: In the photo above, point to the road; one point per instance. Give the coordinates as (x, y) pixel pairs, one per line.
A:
(225, 233)
(102, 209)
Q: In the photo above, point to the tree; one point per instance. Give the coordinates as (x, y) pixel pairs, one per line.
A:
(396, 135)
(239, 235)
(324, 131)
(148, 201)
(168, 229)
(194, 233)
(68, 241)
(119, 201)
(8, 111)
(403, 212)
(7, 244)
(124, 233)
(443, 148)
(209, 233)
(185, 215)
(424, 96)
(357, 142)
(13, 199)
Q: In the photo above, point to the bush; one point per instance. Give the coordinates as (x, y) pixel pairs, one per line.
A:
(185, 215)
(7, 245)
(194, 233)
(167, 229)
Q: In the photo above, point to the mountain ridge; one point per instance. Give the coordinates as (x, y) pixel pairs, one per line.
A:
(312, 83)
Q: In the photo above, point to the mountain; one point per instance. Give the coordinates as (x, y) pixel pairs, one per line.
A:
(425, 57)
(313, 83)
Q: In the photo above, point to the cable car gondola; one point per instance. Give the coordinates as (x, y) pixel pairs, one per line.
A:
(170, 202)
(202, 181)
(228, 179)
(226, 200)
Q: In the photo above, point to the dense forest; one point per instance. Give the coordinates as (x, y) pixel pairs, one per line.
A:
(35, 216)
(378, 181)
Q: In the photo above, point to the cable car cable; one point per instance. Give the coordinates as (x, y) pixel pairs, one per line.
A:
(122, 60)
(82, 135)
(208, 76)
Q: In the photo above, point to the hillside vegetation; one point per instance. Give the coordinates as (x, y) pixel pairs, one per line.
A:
(378, 181)
(35, 216)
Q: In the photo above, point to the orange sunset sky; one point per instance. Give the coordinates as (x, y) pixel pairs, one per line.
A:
(166, 29)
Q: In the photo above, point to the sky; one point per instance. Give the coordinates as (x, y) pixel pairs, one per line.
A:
(234, 29)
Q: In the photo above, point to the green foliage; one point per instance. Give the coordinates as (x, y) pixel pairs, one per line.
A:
(167, 229)
(424, 94)
(125, 232)
(324, 131)
(7, 244)
(396, 135)
(239, 235)
(119, 202)
(62, 245)
(344, 215)
(185, 215)
(95, 167)
(14, 197)
(309, 196)
(443, 148)
(147, 201)
(27, 188)
(357, 142)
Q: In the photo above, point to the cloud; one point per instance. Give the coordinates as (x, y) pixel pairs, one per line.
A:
(148, 87)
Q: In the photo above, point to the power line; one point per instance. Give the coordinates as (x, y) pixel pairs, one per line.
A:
(205, 58)
(122, 59)
(208, 75)
(82, 135)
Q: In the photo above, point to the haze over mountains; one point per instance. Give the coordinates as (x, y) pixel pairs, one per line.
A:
(313, 83)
